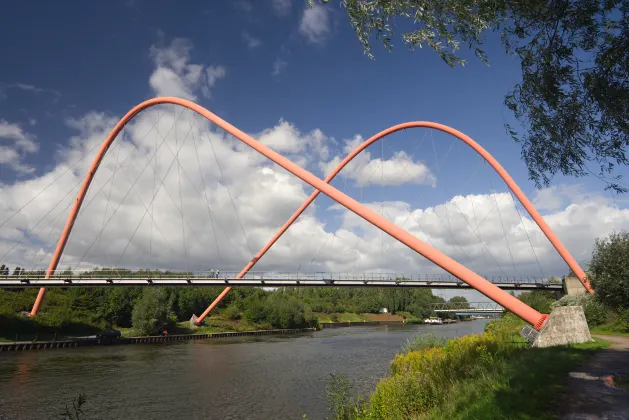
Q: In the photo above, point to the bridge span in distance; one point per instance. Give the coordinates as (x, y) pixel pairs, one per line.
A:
(121, 278)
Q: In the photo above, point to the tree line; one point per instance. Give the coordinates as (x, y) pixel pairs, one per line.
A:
(150, 309)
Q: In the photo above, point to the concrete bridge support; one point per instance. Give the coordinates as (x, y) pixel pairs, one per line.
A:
(572, 286)
(565, 325)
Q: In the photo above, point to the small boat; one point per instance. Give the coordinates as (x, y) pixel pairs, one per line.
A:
(433, 320)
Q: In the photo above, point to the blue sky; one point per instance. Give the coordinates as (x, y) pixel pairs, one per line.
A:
(277, 61)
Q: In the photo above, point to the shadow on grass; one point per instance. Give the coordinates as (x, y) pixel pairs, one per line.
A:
(525, 387)
(28, 329)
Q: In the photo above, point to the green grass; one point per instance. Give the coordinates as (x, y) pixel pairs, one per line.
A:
(522, 387)
(340, 317)
(213, 324)
(481, 376)
(601, 330)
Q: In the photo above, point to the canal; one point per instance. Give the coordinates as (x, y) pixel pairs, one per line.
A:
(264, 377)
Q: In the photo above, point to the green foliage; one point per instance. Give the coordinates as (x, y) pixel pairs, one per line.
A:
(153, 312)
(232, 312)
(488, 376)
(339, 397)
(574, 96)
(610, 269)
(539, 300)
(280, 310)
(424, 341)
(595, 312)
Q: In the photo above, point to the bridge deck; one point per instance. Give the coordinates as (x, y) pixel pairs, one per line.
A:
(250, 282)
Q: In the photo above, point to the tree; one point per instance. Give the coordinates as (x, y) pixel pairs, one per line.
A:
(573, 101)
(458, 302)
(610, 269)
(540, 300)
(153, 312)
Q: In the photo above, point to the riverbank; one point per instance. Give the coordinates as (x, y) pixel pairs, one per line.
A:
(249, 377)
(97, 341)
(24, 329)
(492, 375)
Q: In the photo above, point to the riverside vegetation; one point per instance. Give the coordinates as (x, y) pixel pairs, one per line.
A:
(148, 311)
(493, 375)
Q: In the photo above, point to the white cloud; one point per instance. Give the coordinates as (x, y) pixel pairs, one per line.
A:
(316, 24)
(14, 144)
(34, 89)
(279, 66)
(282, 7)
(557, 196)
(27, 87)
(250, 41)
(365, 170)
(214, 73)
(144, 226)
(175, 76)
(286, 138)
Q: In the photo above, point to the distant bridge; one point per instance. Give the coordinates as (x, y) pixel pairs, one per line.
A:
(122, 278)
(468, 308)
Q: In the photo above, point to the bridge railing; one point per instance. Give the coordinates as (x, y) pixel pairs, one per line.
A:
(121, 273)
(466, 306)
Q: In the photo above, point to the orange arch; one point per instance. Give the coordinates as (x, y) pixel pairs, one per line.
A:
(526, 203)
(453, 267)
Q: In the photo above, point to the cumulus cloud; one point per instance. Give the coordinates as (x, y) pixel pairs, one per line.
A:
(316, 24)
(174, 75)
(175, 192)
(286, 138)
(365, 170)
(282, 7)
(14, 144)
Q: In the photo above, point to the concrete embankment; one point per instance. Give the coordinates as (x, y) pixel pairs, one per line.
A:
(95, 341)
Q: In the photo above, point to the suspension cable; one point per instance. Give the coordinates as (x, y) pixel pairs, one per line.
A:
(123, 198)
(527, 234)
(229, 192)
(502, 224)
(196, 152)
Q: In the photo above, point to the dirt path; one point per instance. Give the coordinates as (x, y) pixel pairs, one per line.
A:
(589, 394)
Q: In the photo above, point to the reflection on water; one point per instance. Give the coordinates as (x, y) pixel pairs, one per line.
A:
(259, 377)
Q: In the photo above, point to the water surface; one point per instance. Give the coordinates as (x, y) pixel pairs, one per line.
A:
(261, 377)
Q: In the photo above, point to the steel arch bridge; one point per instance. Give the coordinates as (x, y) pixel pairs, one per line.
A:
(474, 280)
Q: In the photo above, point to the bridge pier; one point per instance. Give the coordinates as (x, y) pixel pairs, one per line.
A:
(572, 286)
(565, 325)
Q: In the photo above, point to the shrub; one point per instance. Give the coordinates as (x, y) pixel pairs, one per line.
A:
(539, 300)
(340, 403)
(595, 312)
(419, 379)
(256, 310)
(153, 312)
(610, 269)
(424, 341)
(232, 312)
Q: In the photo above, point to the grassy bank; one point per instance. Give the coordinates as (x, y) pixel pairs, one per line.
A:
(44, 327)
(323, 317)
(484, 376)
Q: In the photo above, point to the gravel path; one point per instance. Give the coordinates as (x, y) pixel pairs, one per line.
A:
(590, 393)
